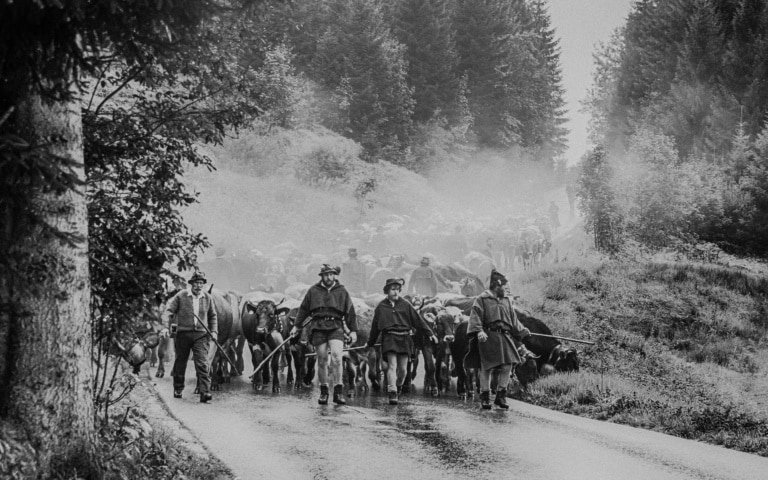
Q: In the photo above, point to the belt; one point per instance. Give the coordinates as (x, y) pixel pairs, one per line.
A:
(335, 319)
(398, 332)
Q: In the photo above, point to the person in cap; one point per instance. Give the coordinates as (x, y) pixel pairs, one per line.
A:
(184, 313)
(353, 274)
(333, 320)
(423, 280)
(394, 318)
(492, 325)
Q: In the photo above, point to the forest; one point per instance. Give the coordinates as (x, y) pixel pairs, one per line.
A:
(106, 107)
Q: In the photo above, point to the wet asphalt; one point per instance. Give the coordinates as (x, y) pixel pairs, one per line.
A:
(287, 435)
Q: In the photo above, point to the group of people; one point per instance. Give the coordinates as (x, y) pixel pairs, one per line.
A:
(329, 315)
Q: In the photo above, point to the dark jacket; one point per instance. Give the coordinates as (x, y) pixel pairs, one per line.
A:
(489, 314)
(398, 317)
(180, 308)
(329, 308)
(423, 281)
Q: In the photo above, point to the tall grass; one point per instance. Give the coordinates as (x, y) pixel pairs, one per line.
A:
(679, 347)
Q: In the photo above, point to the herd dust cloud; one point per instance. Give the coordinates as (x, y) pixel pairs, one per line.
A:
(407, 214)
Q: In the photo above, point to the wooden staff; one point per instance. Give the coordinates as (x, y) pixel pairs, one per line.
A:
(345, 350)
(215, 342)
(562, 338)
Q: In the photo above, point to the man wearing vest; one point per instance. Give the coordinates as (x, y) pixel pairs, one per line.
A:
(492, 324)
(185, 311)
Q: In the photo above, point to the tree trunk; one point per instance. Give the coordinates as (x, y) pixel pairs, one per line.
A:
(46, 340)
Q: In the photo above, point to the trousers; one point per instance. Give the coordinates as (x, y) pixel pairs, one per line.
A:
(197, 343)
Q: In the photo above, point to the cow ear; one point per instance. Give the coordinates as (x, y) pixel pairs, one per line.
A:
(250, 308)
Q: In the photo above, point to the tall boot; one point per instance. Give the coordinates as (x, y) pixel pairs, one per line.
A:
(501, 399)
(485, 399)
(338, 395)
(323, 400)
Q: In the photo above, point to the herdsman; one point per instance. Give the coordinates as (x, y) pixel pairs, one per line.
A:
(492, 324)
(333, 319)
(394, 317)
(184, 314)
(353, 274)
(423, 280)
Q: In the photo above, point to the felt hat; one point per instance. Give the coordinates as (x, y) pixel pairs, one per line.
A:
(425, 261)
(393, 281)
(198, 276)
(352, 252)
(497, 279)
(329, 269)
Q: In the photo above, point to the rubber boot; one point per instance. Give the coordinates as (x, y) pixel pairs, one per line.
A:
(501, 399)
(485, 400)
(323, 400)
(338, 395)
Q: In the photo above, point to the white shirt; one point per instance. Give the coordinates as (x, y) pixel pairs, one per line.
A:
(196, 304)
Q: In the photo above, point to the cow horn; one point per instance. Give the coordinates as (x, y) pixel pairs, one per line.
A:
(281, 302)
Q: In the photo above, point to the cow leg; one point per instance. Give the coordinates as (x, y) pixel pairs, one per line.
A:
(162, 349)
(289, 364)
(239, 360)
(429, 371)
(374, 373)
(274, 340)
(257, 355)
(348, 374)
(153, 357)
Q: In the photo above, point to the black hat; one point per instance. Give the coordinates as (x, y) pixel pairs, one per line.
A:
(393, 281)
(352, 251)
(497, 278)
(425, 261)
(197, 276)
(329, 269)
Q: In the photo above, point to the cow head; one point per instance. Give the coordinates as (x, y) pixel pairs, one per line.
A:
(267, 314)
(445, 327)
(564, 359)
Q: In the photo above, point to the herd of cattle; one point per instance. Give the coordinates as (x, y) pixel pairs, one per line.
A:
(262, 320)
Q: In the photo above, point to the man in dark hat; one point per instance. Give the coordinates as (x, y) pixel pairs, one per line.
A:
(333, 319)
(493, 323)
(423, 280)
(353, 274)
(394, 318)
(184, 314)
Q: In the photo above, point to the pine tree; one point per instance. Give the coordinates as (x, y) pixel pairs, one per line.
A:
(424, 27)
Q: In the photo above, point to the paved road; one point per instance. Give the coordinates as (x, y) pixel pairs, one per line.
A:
(288, 435)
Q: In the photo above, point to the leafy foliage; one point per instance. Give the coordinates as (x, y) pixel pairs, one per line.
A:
(597, 200)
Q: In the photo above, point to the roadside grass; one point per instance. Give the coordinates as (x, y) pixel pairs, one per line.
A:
(128, 447)
(679, 348)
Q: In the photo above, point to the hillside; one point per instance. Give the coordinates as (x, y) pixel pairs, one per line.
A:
(680, 346)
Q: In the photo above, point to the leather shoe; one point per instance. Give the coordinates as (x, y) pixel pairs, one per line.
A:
(205, 397)
(393, 398)
(177, 394)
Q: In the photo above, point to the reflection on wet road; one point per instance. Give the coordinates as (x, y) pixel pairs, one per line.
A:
(288, 435)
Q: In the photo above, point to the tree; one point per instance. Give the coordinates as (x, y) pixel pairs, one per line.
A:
(364, 66)
(49, 49)
(597, 201)
(424, 27)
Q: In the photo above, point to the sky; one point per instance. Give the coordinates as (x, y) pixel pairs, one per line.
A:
(580, 25)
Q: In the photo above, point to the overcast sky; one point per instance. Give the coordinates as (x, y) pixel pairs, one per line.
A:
(580, 24)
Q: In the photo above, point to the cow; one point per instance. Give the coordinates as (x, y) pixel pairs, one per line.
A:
(263, 329)
(444, 327)
(469, 283)
(355, 365)
(230, 338)
(301, 354)
(550, 353)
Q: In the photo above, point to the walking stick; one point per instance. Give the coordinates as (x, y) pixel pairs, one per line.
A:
(346, 349)
(272, 353)
(215, 342)
(562, 338)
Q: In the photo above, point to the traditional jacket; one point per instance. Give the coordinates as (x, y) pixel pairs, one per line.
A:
(181, 309)
(423, 281)
(330, 308)
(497, 318)
(400, 317)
